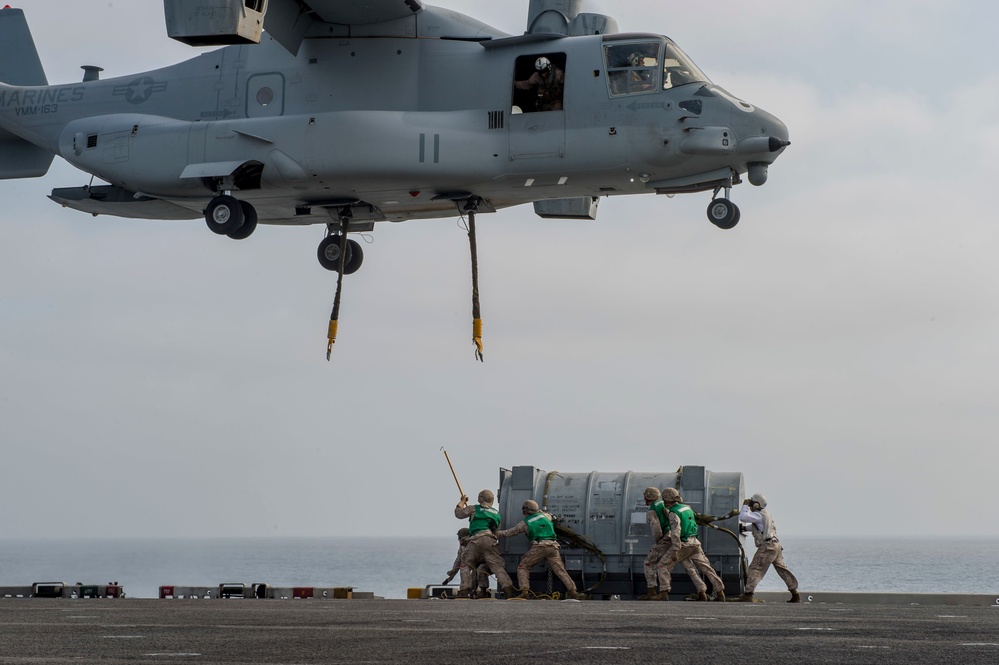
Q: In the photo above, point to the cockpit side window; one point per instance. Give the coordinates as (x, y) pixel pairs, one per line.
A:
(633, 68)
(539, 83)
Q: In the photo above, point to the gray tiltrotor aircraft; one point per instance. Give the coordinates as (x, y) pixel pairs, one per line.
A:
(347, 113)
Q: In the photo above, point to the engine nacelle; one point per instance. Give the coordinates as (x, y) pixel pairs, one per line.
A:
(215, 22)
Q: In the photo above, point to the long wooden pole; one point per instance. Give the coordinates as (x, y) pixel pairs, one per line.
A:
(448, 458)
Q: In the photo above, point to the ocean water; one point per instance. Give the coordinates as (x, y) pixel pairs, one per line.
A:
(389, 566)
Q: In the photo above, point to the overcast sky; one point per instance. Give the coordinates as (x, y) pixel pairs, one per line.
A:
(839, 347)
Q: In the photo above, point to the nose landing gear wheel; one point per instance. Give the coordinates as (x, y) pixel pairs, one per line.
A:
(224, 215)
(723, 213)
(329, 255)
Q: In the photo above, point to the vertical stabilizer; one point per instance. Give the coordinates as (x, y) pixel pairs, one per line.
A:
(19, 62)
(20, 66)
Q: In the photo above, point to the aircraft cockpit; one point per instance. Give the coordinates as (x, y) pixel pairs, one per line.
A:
(638, 66)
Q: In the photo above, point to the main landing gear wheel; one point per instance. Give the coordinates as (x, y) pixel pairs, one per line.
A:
(355, 257)
(224, 215)
(329, 255)
(723, 213)
(249, 224)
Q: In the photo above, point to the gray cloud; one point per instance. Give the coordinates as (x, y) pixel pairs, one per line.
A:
(837, 346)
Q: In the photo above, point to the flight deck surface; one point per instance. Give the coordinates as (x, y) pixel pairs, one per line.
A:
(41, 631)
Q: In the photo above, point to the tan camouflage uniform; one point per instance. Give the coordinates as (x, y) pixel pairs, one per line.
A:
(658, 553)
(689, 550)
(482, 575)
(541, 550)
(481, 548)
(769, 551)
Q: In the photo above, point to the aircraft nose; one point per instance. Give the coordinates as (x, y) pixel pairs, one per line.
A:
(769, 135)
(764, 147)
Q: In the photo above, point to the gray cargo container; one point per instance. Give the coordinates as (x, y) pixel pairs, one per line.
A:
(608, 509)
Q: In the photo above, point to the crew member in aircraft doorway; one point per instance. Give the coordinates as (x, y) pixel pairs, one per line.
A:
(549, 81)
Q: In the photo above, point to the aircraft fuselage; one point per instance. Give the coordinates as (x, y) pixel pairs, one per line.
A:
(400, 126)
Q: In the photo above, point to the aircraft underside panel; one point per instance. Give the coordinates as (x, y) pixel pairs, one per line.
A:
(115, 201)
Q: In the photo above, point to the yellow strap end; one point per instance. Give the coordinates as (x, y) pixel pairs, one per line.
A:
(477, 337)
(332, 338)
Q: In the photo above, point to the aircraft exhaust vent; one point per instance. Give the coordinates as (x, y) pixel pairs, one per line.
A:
(496, 119)
(91, 141)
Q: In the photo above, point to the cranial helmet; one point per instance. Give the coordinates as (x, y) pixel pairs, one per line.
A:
(760, 499)
(464, 532)
(652, 494)
(671, 495)
(486, 496)
(530, 507)
(636, 59)
(543, 64)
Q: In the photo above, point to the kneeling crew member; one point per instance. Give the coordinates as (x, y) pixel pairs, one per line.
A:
(541, 532)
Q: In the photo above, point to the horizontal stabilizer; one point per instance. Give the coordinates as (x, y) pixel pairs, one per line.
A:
(20, 159)
(118, 202)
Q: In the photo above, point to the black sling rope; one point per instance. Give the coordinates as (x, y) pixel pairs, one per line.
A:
(335, 314)
(476, 314)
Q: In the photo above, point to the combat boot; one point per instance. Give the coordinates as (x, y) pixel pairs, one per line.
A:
(662, 595)
(745, 598)
(464, 593)
(647, 595)
(795, 598)
(720, 597)
(575, 595)
(702, 595)
(511, 593)
(483, 592)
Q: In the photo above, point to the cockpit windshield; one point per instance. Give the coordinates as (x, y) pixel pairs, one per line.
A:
(678, 69)
(647, 66)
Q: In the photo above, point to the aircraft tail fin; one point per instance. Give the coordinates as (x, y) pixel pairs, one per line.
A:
(19, 61)
(20, 65)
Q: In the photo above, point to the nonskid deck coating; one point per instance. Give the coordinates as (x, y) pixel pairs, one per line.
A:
(489, 631)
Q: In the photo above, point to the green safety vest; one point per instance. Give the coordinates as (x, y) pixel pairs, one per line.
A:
(688, 525)
(483, 519)
(539, 527)
(660, 509)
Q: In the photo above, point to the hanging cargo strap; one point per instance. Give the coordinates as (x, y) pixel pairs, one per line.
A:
(471, 207)
(335, 314)
(707, 521)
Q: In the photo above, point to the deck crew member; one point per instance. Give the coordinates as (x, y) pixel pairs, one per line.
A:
(540, 531)
(456, 568)
(769, 551)
(685, 546)
(661, 542)
(483, 521)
